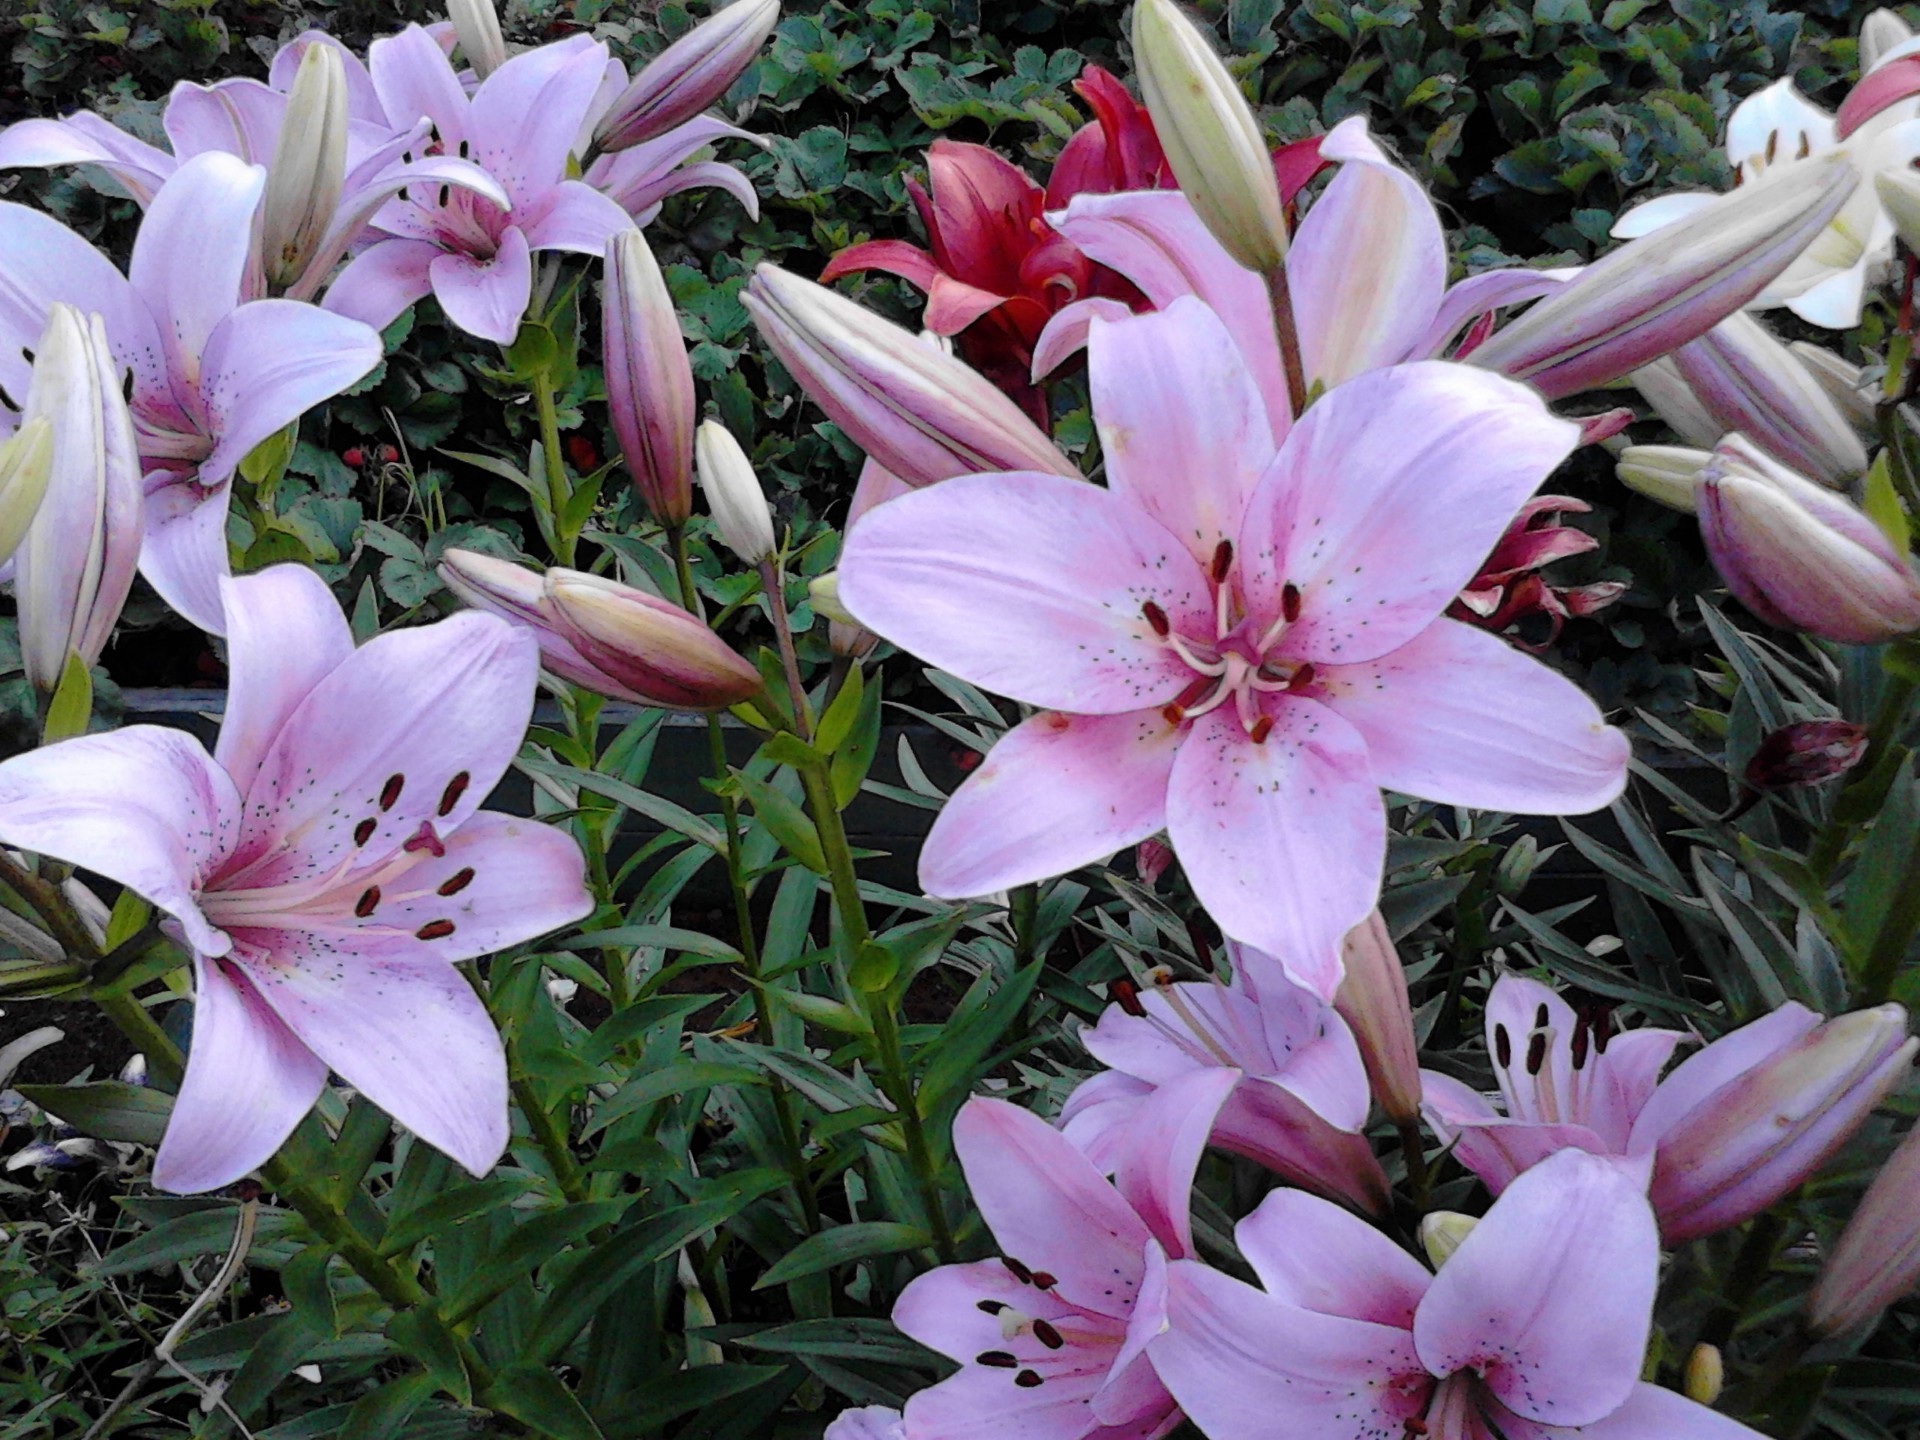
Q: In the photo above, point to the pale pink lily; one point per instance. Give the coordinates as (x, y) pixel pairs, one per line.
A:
(471, 252)
(1237, 646)
(1051, 1338)
(866, 1422)
(1367, 269)
(1733, 1128)
(1536, 1327)
(1301, 1100)
(214, 374)
(326, 865)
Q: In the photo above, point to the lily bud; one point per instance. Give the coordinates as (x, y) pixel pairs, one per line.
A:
(1212, 142)
(688, 668)
(1801, 557)
(1899, 192)
(309, 169)
(823, 593)
(1372, 999)
(734, 496)
(918, 412)
(76, 564)
(1656, 293)
(649, 378)
(26, 464)
(1877, 1258)
(1772, 1126)
(1705, 1376)
(1746, 380)
(687, 76)
(1845, 382)
(1442, 1232)
(1151, 859)
(1667, 473)
(1808, 753)
(477, 25)
(1880, 32)
(1663, 387)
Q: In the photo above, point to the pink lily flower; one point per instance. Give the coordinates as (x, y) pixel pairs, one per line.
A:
(1051, 1338)
(472, 253)
(1536, 1327)
(214, 374)
(326, 865)
(1237, 646)
(1299, 1106)
(1732, 1129)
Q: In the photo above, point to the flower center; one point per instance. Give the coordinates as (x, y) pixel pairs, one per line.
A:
(1535, 1078)
(1233, 663)
(1207, 1033)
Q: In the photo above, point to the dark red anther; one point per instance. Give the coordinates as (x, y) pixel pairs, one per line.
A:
(997, 1360)
(1541, 1016)
(1602, 1029)
(1290, 602)
(1222, 561)
(363, 832)
(1302, 677)
(1262, 728)
(1157, 618)
(456, 787)
(369, 900)
(992, 1307)
(390, 792)
(1502, 1047)
(1536, 1052)
(1043, 1281)
(1019, 1271)
(456, 882)
(425, 838)
(1028, 1379)
(1173, 714)
(1581, 1039)
(1047, 1335)
(1126, 995)
(434, 930)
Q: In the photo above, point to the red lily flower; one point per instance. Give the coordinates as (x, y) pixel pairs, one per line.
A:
(1512, 587)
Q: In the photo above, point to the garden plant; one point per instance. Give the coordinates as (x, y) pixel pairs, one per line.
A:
(955, 720)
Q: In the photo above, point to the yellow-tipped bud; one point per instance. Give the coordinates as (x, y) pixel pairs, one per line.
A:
(26, 464)
(1706, 1375)
(1667, 473)
(1442, 1233)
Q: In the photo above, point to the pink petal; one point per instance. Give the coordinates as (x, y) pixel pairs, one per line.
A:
(236, 117)
(1695, 1079)
(1245, 1366)
(285, 634)
(363, 101)
(84, 138)
(525, 117)
(183, 553)
(413, 729)
(194, 254)
(952, 304)
(1499, 1150)
(1516, 1008)
(1183, 431)
(910, 262)
(1385, 499)
(415, 81)
(486, 297)
(41, 262)
(1048, 1207)
(1162, 1153)
(1479, 295)
(1145, 1047)
(1057, 792)
(1626, 1076)
(145, 806)
(1097, 1114)
(1316, 1056)
(1313, 1254)
(986, 1404)
(405, 1030)
(943, 1310)
(1269, 1124)
(1030, 585)
(1550, 1296)
(382, 281)
(1368, 263)
(266, 365)
(573, 217)
(1283, 841)
(249, 1081)
(642, 200)
(1650, 1413)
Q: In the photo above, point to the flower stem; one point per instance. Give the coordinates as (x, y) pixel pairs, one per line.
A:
(791, 1151)
(559, 492)
(783, 632)
(1280, 295)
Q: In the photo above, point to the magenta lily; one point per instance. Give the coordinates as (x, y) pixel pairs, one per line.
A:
(1238, 646)
(1300, 1103)
(1051, 1338)
(1536, 1327)
(213, 373)
(471, 252)
(1733, 1128)
(326, 865)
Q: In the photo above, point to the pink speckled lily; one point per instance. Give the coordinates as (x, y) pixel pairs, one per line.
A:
(326, 865)
(1238, 646)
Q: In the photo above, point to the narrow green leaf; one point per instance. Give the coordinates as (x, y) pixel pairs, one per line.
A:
(837, 723)
(71, 708)
(106, 1109)
(460, 1203)
(534, 1396)
(785, 820)
(843, 1245)
(431, 1345)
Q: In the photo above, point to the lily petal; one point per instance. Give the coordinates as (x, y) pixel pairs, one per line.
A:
(285, 634)
(183, 553)
(84, 138)
(1311, 1253)
(489, 297)
(192, 257)
(382, 281)
(43, 262)
(1162, 1153)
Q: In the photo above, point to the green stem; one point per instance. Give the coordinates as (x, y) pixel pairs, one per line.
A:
(1023, 907)
(1280, 295)
(894, 1078)
(559, 492)
(792, 1152)
(583, 721)
(1413, 1148)
(548, 1134)
(45, 897)
(783, 632)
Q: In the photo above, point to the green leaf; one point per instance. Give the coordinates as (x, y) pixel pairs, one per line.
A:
(531, 1245)
(304, 1279)
(662, 812)
(71, 708)
(459, 1204)
(534, 1396)
(106, 1109)
(854, 756)
(837, 723)
(785, 821)
(189, 1236)
(843, 1245)
(821, 1011)
(668, 1396)
(873, 968)
(432, 1345)
(1882, 504)
(382, 1414)
(264, 466)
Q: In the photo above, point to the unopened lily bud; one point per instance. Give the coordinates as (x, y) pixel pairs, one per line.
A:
(26, 464)
(1705, 1376)
(823, 593)
(1656, 293)
(477, 25)
(680, 673)
(1881, 32)
(688, 76)
(1666, 390)
(309, 169)
(1877, 1258)
(1151, 859)
(1899, 191)
(1801, 557)
(1667, 473)
(1845, 382)
(1442, 1232)
(920, 413)
(1211, 139)
(1772, 1126)
(734, 497)
(1372, 999)
(1808, 753)
(76, 563)
(1747, 381)
(649, 378)
(648, 645)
